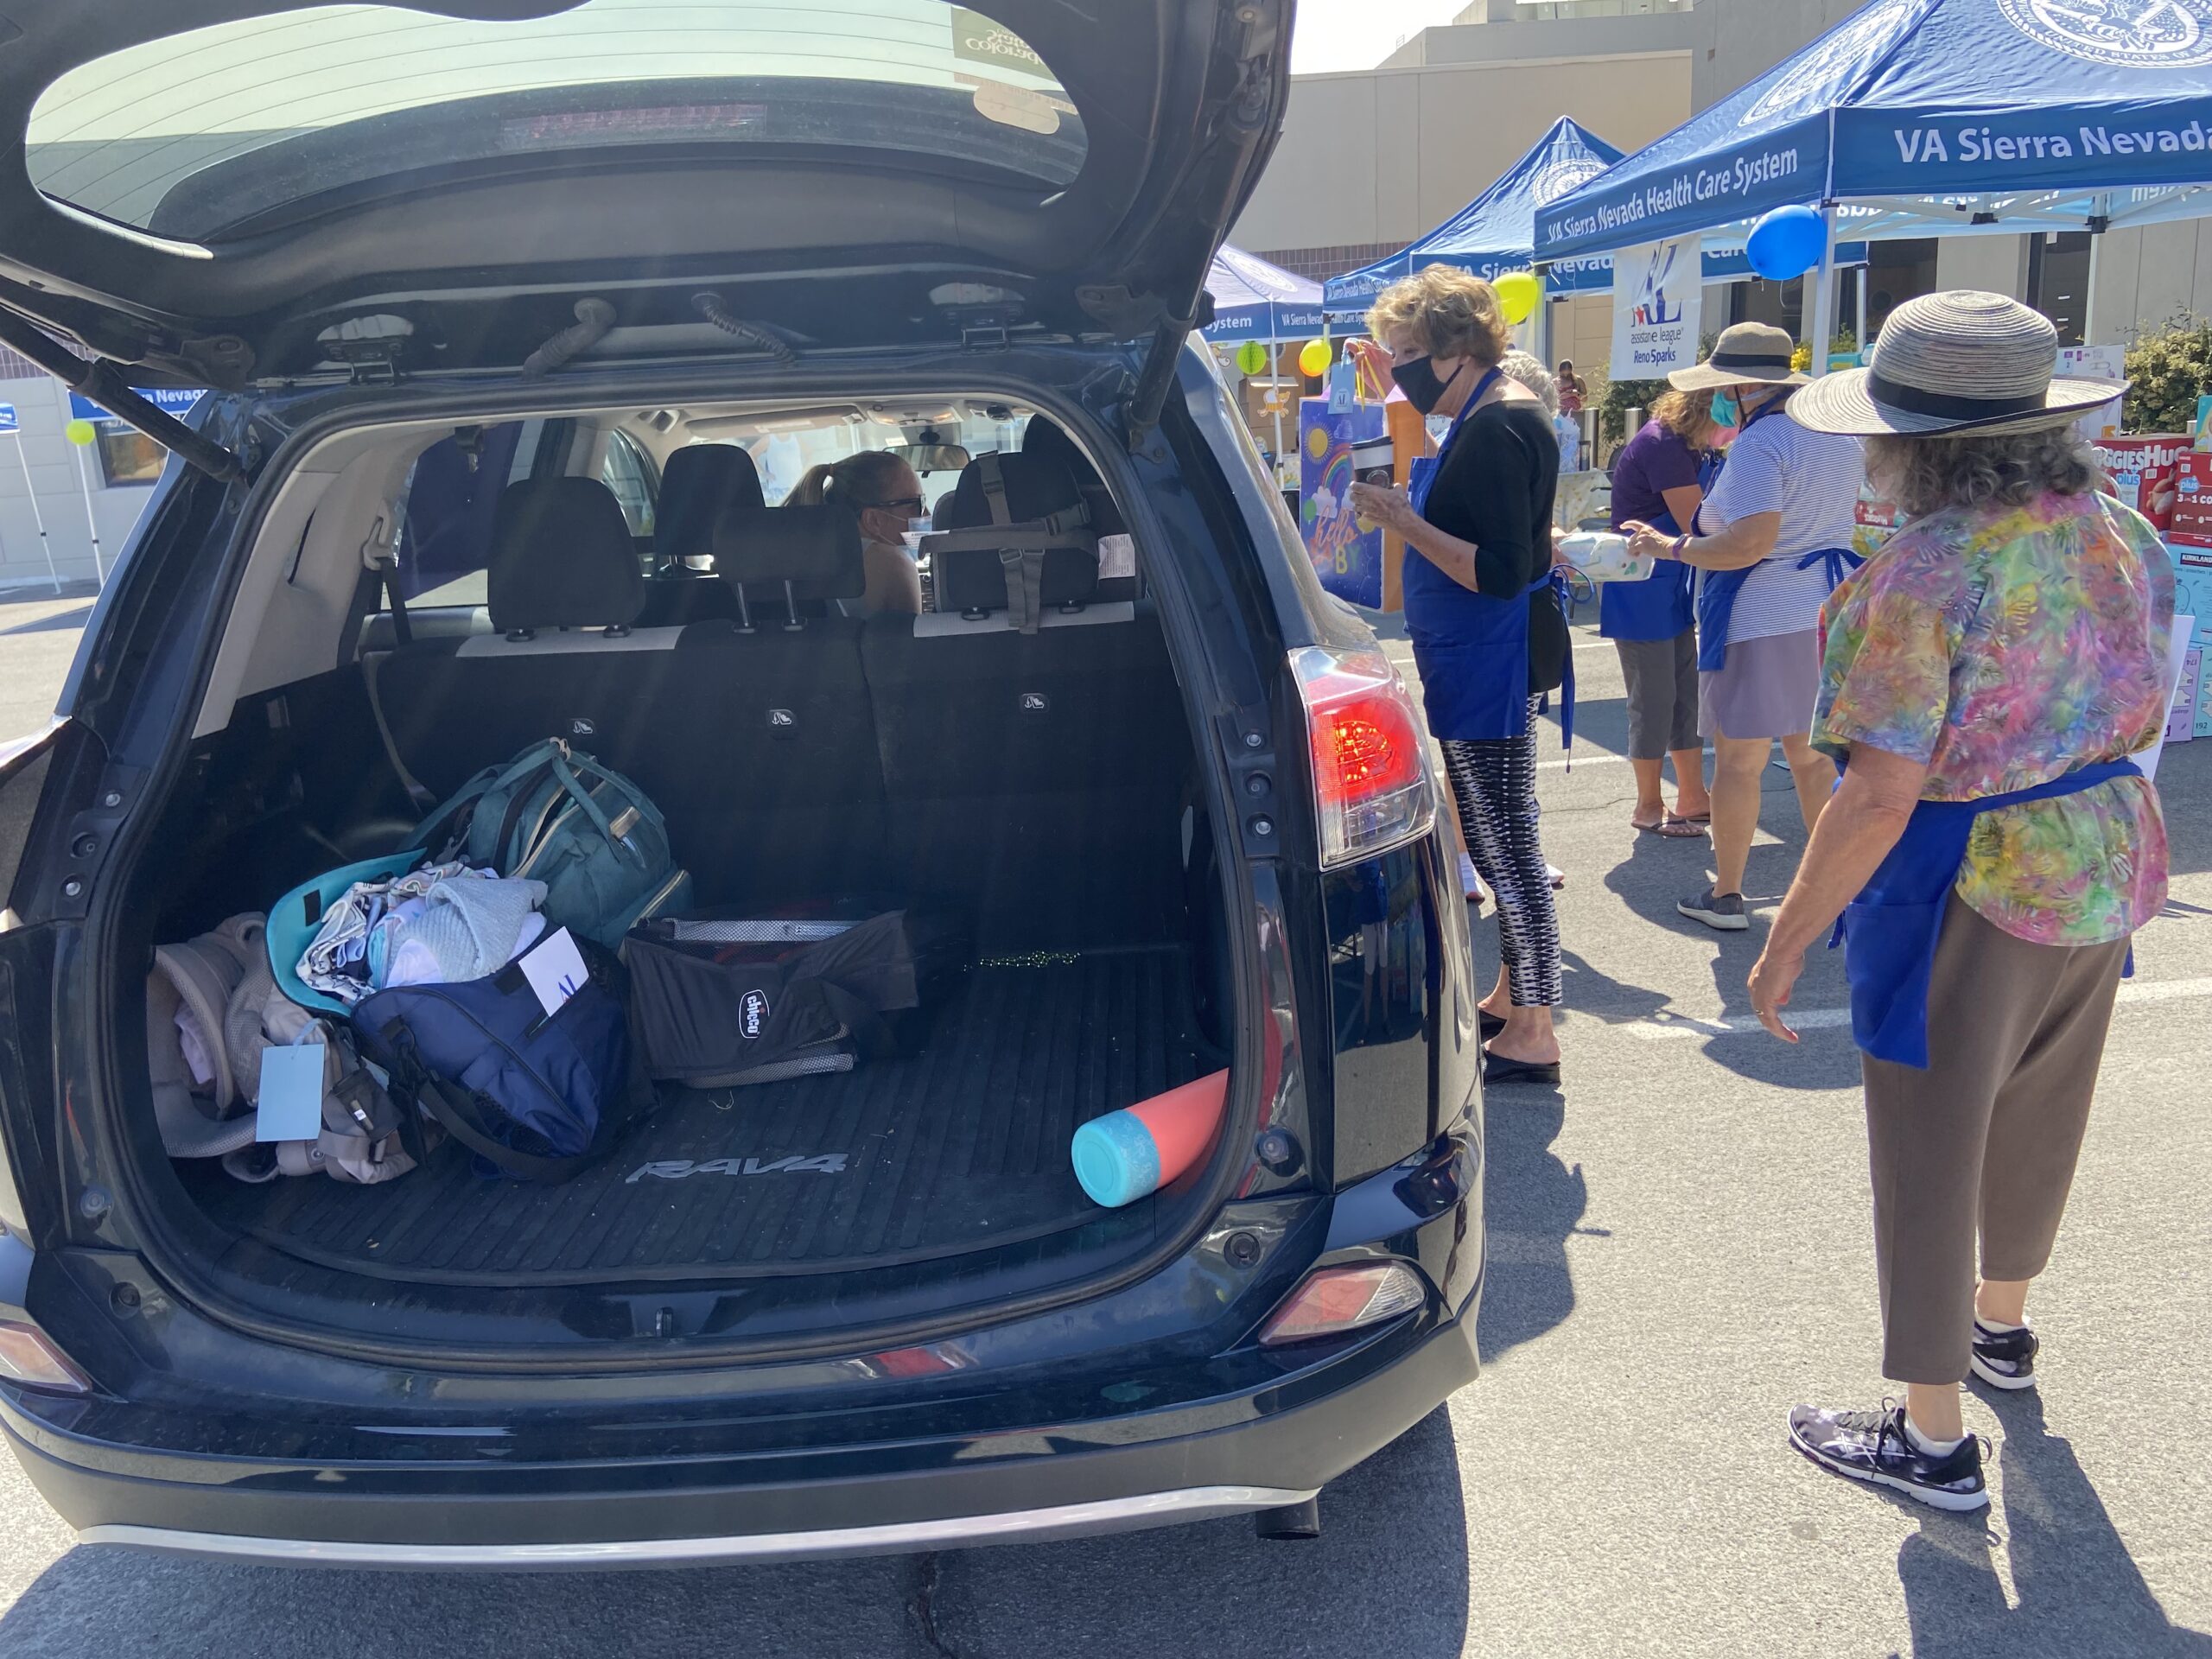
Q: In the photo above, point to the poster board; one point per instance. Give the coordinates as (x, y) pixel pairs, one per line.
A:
(1347, 559)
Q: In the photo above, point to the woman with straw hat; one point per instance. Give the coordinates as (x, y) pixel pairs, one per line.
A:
(1989, 848)
(1771, 540)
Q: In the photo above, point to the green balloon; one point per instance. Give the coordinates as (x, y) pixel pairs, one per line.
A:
(1251, 357)
(80, 432)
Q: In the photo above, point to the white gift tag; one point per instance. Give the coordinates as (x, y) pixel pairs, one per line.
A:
(556, 970)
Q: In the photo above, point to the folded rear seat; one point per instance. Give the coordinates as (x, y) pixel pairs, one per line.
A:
(1034, 778)
(761, 744)
(563, 658)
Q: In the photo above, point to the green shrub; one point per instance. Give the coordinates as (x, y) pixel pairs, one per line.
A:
(2167, 368)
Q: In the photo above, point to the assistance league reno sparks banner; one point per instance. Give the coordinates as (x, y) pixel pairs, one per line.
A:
(1657, 291)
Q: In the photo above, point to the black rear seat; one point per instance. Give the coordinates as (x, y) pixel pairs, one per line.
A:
(701, 483)
(762, 743)
(1033, 779)
(563, 659)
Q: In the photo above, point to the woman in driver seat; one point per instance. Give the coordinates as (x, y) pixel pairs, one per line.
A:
(884, 493)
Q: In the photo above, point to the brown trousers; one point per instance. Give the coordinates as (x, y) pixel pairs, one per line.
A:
(1985, 1139)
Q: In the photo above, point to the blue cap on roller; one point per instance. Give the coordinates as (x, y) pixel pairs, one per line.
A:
(1115, 1158)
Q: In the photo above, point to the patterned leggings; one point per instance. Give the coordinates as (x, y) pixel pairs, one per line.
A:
(1494, 785)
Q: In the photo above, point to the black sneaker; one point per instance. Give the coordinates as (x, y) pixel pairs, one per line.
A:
(1872, 1446)
(2004, 1359)
(1723, 911)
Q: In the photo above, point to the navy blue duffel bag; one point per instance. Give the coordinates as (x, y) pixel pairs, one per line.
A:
(538, 1097)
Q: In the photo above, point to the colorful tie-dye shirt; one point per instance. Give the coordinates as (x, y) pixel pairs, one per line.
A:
(2005, 646)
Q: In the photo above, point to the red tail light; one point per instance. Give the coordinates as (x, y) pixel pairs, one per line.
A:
(1370, 756)
(28, 1356)
(1336, 1300)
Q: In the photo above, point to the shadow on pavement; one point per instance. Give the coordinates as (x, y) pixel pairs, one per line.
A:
(55, 624)
(1388, 1575)
(2079, 1593)
(1532, 1202)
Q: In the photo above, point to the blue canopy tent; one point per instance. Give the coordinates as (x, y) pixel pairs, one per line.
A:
(1254, 299)
(1933, 117)
(1495, 232)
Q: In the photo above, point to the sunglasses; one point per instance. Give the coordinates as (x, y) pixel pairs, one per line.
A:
(914, 501)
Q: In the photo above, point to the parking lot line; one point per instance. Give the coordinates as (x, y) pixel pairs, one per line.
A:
(1663, 1026)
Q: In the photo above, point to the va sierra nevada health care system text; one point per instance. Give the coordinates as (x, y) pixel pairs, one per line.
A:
(1925, 158)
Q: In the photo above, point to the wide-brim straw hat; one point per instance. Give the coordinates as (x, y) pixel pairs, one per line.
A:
(1961, 361)
(1745, 353)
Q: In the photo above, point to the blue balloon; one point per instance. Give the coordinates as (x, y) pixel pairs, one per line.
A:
(1786, 243)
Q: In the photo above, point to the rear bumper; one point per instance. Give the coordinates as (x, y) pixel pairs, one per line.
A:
(568, 1516)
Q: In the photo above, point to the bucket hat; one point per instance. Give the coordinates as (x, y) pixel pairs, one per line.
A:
(1745, 353)
(1960, 361)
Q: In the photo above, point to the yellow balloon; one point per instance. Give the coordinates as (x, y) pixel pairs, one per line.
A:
(80, 432)
(1314, 358)
(1517, 294)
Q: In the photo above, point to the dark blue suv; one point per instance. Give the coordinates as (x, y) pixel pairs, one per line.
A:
(520, 323)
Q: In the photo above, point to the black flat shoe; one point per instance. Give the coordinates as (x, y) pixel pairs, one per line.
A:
(1497, 1068)
(1492, 1023)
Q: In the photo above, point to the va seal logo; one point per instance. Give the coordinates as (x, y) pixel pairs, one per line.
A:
(1825, 72)
(1573, 163)
(2126, 34)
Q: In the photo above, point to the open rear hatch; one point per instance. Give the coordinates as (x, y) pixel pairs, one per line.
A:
(220, 191)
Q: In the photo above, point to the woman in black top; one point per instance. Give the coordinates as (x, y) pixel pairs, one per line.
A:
(1488, 634)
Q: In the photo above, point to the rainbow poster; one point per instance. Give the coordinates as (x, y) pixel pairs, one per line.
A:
(1348, 559)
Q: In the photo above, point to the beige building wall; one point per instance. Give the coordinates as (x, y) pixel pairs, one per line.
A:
(1996, 265)
(1382, 155)
(2144, 277)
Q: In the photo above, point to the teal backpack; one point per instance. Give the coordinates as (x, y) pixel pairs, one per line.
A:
(555, 815)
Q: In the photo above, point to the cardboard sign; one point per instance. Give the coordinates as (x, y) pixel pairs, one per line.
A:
(2095, 363)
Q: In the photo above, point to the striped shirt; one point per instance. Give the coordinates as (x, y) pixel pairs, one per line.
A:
(1812, 479)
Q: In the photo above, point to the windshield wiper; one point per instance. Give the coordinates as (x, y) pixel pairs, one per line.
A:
(102, 383)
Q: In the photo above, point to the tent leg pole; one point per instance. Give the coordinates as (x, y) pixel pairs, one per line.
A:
(1274, 397)
(1820, 325)
(1858, 288)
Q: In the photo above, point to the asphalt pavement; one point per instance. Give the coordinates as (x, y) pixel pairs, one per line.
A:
(1679, 1250)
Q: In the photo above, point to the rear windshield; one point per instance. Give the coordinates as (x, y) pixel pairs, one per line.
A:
(210, 130)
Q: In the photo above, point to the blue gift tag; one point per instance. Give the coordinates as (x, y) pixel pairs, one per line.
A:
(291, 1093)
(1344, 387)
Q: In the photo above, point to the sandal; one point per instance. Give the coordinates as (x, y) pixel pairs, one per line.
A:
(1498, 1068)
(1672, 829)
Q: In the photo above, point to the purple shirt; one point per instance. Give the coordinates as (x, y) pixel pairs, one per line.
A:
(1653, 460)
(1659, 608)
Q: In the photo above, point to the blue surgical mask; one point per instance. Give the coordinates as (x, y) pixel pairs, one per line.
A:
(1727, 412)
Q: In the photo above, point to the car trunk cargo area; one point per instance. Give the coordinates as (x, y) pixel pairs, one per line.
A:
(958, 1147)
(1072, 856)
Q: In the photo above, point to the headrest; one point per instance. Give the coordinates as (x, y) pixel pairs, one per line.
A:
(701, 483)
(816, 550)
(975, 580)
(561, 557)
(1037, 486)
(1043, 438)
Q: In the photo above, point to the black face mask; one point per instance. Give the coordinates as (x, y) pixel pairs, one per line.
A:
(1417, 379)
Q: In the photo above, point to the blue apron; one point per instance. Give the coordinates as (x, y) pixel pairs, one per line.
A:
(1475, 676)
(1664, 603)
(1717, 589)
(1890, 931)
